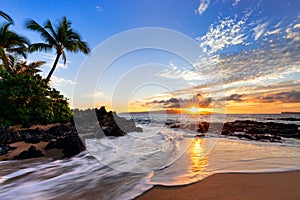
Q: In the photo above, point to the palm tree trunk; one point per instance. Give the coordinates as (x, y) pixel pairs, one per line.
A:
(53, 68)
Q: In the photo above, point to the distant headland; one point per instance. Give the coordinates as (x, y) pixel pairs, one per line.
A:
(290, 113)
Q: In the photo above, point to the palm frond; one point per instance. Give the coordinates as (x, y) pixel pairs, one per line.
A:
(19, 51)
(51, 29)
(11, 45)
(40, 47)
(13, 39)
(33, 67)
(76, 46)
(34, 26)
(64, 57)
(3, 57)
(7, 17)
(4, 28)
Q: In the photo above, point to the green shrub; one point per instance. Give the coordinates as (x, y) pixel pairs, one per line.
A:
(27, 99)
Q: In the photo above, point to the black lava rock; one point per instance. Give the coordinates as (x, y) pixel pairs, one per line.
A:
(32, 152)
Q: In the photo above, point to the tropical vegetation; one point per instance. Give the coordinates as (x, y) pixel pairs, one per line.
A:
(25, 96)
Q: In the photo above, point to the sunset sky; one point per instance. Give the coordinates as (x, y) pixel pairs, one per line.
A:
(253, 46)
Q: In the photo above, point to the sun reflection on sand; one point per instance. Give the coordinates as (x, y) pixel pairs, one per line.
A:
(198, 156)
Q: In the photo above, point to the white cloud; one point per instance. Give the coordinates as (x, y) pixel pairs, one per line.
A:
(203, 6)
(99, 8)
(274, 32)
(296, 26)
(59, 81)
(96, 94)
(236, 2)
(259, 30)
(292, 35)
(225, 33)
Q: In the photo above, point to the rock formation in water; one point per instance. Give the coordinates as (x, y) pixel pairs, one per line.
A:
(64, 136)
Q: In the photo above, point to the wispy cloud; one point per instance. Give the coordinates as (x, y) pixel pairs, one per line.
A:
(195, 100)
(179, 72)
(235, 97)
(273, 32)
(281, 97)
(49, 58)
(202, 6)
(259, 30)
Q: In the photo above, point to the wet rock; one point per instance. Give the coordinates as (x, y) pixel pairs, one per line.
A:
(72, 145)
(284, 119)
(65, 136)
(33, 136)
(110, 122)
(8, 136)
(60, 130)
(200, 135)
(112, 131)
(101, 113)
(32, 152)
(4, 148)
(170, 122)
(113, 125)
(53, 145)
(175, 126)
(203, 127)
(252, 130)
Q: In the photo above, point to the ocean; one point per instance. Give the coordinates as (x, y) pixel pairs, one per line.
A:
(125, 167)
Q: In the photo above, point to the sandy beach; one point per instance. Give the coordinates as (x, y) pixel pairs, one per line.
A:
(239, 186)
(22, 146)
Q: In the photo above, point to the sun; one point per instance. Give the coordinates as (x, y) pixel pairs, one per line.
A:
(194, 110)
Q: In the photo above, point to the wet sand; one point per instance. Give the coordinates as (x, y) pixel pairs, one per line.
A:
(239, 186)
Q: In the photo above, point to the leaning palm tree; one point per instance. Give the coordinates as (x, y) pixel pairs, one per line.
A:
(11, 45)
(60, 38)
(6, 16)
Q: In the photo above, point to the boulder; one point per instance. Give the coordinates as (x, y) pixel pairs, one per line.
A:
(32, 152)
(60, 130)
(254, 131)
(4, 148)
(113, 125)
(72, 145)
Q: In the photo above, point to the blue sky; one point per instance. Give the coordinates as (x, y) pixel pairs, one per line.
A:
(254, 43)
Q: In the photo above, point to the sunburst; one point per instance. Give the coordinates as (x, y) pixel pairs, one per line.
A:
(194, 110)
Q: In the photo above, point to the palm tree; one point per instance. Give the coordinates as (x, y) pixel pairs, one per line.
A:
(11, 45)
(31, 69)
(62, 38)
(6, 16)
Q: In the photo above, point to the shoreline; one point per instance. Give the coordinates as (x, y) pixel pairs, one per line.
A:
(266, 185)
